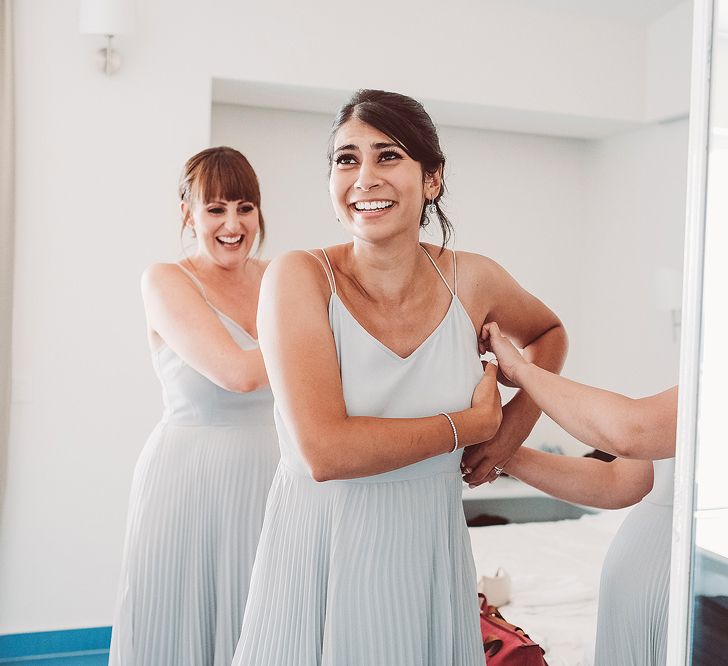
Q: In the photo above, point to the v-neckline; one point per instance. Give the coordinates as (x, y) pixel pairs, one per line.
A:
(233, 322)
(203, 292)
(389, 350)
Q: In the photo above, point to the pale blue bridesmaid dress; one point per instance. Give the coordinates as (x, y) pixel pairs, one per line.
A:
(635, 585)
(195, 515)
(375, 570)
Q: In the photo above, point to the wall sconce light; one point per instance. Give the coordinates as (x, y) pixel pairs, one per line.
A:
(668, 287)
(110, 18)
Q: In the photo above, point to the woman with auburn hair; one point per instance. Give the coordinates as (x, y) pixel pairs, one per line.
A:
(199, 488)
(372, 352)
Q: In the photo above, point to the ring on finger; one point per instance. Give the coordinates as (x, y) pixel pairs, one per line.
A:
(498, 470)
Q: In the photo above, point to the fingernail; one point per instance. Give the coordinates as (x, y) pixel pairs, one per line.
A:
(471, 485)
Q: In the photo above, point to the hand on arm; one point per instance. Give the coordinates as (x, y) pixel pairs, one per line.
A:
(179, 314)
(539, 331)
(300, 354)
(640, 429)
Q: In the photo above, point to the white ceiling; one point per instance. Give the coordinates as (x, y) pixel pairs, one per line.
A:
(491, 116)
(319, 100)
(637, 11)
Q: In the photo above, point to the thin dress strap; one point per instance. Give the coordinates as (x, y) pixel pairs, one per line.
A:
(194, 279)
(438, 270)
(330, 278)
(333, 278)
(455, 273)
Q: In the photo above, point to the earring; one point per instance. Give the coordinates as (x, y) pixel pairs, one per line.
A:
(431, 212)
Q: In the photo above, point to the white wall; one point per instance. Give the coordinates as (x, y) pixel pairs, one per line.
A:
(635, 216)
(667, 74)
(495, 53)
(96, 176)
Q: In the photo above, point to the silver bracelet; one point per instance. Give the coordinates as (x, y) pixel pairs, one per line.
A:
(454, 430)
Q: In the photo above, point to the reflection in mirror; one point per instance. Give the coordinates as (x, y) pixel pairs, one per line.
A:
(710, 578)
(564, 125)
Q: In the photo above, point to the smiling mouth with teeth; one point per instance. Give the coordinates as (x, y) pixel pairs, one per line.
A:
(372, 205)
(230, 240)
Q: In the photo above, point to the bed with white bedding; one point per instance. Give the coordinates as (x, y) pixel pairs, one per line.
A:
(554, 569)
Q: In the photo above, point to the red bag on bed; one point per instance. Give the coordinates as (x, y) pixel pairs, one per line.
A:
(504, 643)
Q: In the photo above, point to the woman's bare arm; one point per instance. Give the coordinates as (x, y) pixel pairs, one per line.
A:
(538, 330)
(179, 314)
(586, 481)
(642, 428)
(300, 355)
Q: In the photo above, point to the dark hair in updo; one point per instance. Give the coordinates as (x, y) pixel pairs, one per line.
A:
(405, 121)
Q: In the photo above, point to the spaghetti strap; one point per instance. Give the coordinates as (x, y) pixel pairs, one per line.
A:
(438, 270)
(330, 278)
(455, 273)
(194, 279)
(333, 279)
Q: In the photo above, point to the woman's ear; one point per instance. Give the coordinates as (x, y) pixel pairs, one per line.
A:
(433, 184)
(186, 212)
(184, 209)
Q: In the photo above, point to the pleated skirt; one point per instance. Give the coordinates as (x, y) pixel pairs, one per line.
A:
(357, 573)
(195, 516)
(634, 589)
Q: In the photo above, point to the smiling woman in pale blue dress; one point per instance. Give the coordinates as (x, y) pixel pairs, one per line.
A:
(372, 354)
(199, 488)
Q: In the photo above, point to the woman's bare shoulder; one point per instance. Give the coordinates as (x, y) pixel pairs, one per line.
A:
(167, 288)
(300, 271)
(304, 261)
(479, 274)
(164, 275)
(478, 264)
(466, 261)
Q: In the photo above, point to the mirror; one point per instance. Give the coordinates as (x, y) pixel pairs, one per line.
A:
(565, 129)
(709, 589)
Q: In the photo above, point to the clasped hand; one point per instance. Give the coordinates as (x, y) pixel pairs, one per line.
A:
(479, 461)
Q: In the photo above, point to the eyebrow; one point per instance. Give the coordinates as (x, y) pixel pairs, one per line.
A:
(376, 146)
(223, 201)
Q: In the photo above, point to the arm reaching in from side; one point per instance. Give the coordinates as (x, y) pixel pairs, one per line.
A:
(588, 481)
(641, 428)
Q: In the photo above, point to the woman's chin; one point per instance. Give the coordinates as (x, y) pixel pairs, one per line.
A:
(227, 257)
